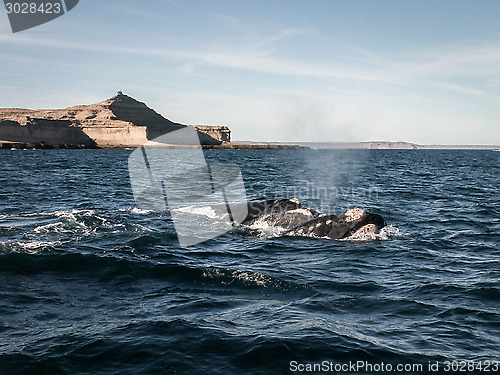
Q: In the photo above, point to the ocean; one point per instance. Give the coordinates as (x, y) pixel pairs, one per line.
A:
(91, 284)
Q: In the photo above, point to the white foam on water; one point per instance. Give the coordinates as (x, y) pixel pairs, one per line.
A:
(74, 221)
(71, 214)
(139, 228)
(32, 245)
(266, 230)
(207, 211)
(390, 231)
(135, 210)
(59, 213)
(53, 227)
(29, 247)
(386, 233)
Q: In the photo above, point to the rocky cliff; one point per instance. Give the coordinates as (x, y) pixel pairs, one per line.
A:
(120, 121)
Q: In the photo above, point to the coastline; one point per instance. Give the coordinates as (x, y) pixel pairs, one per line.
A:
(223, 146)
(387, 145)
(245, 145)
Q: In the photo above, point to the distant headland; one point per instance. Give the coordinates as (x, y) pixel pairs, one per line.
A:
(384, 145)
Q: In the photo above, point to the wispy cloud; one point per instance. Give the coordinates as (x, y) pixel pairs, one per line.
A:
(29, 60)
(441, 67)
(260, 61)
(228, 19)
(459, 89)
(469, 60)
(264, 63)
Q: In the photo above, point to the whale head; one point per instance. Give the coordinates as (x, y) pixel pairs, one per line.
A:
(342, 226)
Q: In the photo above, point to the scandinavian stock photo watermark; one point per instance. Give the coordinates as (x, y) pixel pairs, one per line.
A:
(181, 181)
(24, 15)
(459, 366)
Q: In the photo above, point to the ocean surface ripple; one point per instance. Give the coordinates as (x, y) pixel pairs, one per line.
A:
(91, 284)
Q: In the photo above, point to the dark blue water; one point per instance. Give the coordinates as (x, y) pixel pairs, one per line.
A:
(91, 285)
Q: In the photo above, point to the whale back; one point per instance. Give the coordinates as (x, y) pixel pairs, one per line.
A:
(286, 213)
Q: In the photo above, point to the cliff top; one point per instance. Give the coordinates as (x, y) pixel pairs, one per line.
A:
(109, 113)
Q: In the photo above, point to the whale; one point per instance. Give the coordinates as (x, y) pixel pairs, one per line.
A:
(297, 220)
(352, 224)
(283, 213)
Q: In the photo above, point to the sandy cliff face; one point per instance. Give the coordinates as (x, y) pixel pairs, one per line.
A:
(120, 121)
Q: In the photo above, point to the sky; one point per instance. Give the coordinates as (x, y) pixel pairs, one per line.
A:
(426, 72)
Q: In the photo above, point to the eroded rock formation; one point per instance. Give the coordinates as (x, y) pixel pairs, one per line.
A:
(120, 121)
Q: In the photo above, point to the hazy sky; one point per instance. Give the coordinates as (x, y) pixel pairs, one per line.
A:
(417, 71)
